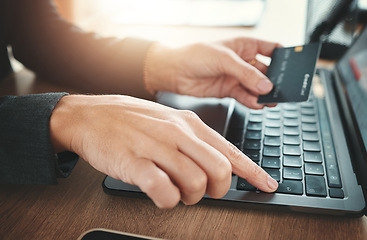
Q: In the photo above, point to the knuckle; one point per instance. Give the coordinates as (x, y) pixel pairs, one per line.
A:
(234, 154)
(255, 170)
(154, 183)
(227, 56)
(223, 172)
(189, 115)
(197, 184)
(174, 127)
(250, 74)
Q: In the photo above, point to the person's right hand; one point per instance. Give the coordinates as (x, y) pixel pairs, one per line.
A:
(222, 69)
(171, 155)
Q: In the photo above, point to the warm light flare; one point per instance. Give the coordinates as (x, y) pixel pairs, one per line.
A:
(182, 12)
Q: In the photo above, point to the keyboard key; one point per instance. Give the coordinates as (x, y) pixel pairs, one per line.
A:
(332, 169)
(294, 131)
(308, 104)
(328, 146)
(310, 136)
(290, 187)
(291, 122)
(272, 123)
(315, 186)
(291, 139)
(331, 165)
(312, 157)
(334, 178)
(290, 106)
(336, 193)
(271, 151)
(308, 119)
(253, 155)
(292, 173)
(242, 184)
(238, 145)
(272, 131)
(330, 155)
(309, 127)
(273, 115)
(290, 114)
(273, 109)
(308, 111)
(253, 135)
(292, 161)
(314, 169)
(274, 173)
(293, 150)
(256, 111)
(311, 146)
(252, 145)
(272, 141)
(270, 162)
(255, 118)
(254, 126)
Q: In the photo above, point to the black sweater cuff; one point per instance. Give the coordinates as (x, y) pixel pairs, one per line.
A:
(26, 152)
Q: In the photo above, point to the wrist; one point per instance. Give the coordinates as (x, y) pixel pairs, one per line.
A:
(62, 123)
(158, 69)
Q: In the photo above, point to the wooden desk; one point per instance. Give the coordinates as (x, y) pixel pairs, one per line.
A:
(78, 203)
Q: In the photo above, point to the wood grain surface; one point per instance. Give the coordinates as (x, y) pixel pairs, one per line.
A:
(78, 203)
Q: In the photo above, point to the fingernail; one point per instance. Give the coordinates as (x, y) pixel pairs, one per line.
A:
(265, 85)
(272, 183)
(271, 105)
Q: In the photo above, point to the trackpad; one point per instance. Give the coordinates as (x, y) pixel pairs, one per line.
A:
(213, 111)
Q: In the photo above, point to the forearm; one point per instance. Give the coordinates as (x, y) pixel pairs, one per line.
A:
(58, 51)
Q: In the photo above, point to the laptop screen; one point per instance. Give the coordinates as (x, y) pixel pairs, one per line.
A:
(353, 70)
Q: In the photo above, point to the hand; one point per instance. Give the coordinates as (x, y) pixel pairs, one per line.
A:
(170, 154)
(223, 69)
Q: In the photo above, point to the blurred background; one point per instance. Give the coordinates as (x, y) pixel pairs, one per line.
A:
(332, 21)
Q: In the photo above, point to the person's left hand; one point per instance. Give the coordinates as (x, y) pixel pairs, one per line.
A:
(222, 69)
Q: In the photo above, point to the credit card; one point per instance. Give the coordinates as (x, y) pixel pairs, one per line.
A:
(291, 71)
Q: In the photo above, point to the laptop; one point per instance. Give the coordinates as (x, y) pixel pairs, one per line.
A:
(316, 149)
(191, 12)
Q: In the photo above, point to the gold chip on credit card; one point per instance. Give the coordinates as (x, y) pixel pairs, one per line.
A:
(298, 49)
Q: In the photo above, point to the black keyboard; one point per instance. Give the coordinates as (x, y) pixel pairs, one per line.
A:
(293, 143)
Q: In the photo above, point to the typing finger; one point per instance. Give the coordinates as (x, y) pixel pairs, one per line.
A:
(241, 165)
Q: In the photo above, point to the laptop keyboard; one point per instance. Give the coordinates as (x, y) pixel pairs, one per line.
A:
(293, 143)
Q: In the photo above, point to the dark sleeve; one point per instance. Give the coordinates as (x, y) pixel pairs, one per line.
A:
(26, 153)
(59, 51)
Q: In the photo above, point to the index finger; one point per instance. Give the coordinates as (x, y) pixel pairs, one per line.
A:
(245, 168)
(266, 48)
(242, 165)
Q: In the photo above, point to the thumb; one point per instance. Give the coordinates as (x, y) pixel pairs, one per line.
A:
(249, 76)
